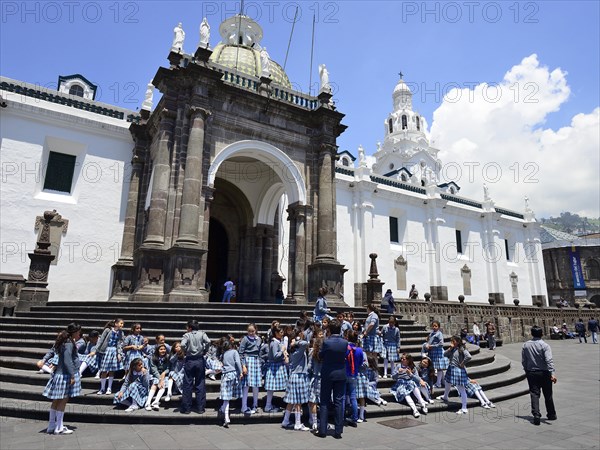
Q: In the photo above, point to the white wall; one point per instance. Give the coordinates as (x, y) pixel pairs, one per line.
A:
(95, 207)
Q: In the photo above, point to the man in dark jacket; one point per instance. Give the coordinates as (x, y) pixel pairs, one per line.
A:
(580, 329)
(593, 329)
(333, 379)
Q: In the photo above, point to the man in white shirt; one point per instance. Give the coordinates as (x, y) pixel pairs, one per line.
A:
(476, 333)
(228, 291)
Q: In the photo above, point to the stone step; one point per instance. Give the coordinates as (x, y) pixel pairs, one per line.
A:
(36, 407)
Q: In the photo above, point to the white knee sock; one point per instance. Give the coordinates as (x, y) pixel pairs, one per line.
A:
(52, 421)
(170, 387)
(440, 377)
(82, 368)
(150, 395)
(110, 381)
(385, 366)
(255, 397)
(463, 396)
(102, 384)
(362, 413)
(484, 397)
(481, 400)
(411, 403)
(59, 420)
(392, 367)
(418, 396)
(286, 418)
(269, 404)
(159, 396)
(298, 415)
(313, 418)
(425, 393)
(226, 410)
(244, 398)
(446, 390)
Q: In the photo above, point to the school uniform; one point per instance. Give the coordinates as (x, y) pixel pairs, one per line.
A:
(135, 388)
(346, 326)
(59, 386)
(373, 393)
(405, 382)
(211, 360)
(472, 387)
(320, 310)
(372, 342)
(158, 366)
(362, 382)
(298, 385)
(90, 357)
(436, 352)
(424, 375)
(110, 346)
(314, 370)
(391, 342)
(176, 373)
(130, 355)
(230, 379)
(249, 353)
(456, 374)
(276, 375)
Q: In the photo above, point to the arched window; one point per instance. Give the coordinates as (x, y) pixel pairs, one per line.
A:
(404, 123)
(391, 125)
(592, 267)
(76, 90)
(345, 162)
(403, 178)
(452, 191)
(423, 182)
(418, 123)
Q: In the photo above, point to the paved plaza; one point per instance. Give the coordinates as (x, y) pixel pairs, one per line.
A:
(577, 398)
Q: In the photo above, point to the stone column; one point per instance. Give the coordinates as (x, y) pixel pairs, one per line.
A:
(297, 285)
(123, 268)
(266, 294)
(192, 182)
(256, 262)
(155, 235)
(326, 233)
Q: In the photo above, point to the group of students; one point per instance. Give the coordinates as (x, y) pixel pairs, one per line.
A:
(286, 359)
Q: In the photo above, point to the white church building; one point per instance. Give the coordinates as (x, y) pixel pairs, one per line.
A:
(62, 150)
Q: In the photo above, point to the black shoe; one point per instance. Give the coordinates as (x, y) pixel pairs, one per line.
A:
(184, 412)
(351, 423)
(552, 417)
(337, 436)
(320, 435)
(536, 420)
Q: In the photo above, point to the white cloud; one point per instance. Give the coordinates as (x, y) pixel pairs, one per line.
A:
(495, 134)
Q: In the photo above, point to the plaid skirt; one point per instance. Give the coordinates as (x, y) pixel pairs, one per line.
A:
(177, 379)
(91, 361)
(276, 377)
(298, 389)
(456, 376)
(230, 386)
(436, 354)
(254, 376)
(213, 364)
(391, 351)
(471, 388)
(372, 392)
(373, 344)
(362, 384)
(315, 390)
(135, 391)
(59, 386)
(131, 355)
(53, 360)
(110, 362)
(402, 388)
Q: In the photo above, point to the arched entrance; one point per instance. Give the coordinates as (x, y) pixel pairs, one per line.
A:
(216, 264)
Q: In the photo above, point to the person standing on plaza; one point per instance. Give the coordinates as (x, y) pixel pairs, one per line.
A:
(593, 329)
(538, 365)
(333, 379)
(194, 344)
(476, 333)
(580, 329)
(228, 291)
(490, 329)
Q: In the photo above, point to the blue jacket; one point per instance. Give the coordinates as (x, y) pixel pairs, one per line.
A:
(333, 355)
(358, 357)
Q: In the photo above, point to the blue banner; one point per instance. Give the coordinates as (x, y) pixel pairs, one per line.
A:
(575, 262)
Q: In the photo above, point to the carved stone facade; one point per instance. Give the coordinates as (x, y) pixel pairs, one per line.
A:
(222, 158)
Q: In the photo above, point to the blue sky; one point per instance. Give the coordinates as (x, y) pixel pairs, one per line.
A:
(437, 45)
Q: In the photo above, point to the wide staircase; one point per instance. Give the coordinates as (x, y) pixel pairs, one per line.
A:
(24, 339)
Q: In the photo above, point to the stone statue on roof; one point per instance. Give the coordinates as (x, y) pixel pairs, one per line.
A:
(486, 192)
(362, 160)
(204, 34)
(265, 62)
(178, 38)
(147, 104)
(324, 75)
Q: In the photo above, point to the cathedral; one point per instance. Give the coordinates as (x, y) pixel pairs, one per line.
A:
(232, 174)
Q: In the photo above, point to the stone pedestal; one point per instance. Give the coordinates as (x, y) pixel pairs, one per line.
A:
(329, 275)
(122, 280)
(183, 282)
(151, 274)
(202, 54)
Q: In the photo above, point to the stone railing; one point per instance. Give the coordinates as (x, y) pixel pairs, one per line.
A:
(513, 323)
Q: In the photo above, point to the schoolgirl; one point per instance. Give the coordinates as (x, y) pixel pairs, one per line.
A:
(251, 368)
(298, 386)
(274, 324)
(321, 310)
(391, 345)
(407, 383)
(110, 347)
(65, 381)
(372, 373)
(89, 358)
(309, 329)
(435, 349)
(457, 374)
(372, 342)
(149, 350)
(474, 390)
(325, 325)
(212, 362)
(276, 376)
(134, 345)
(135, 388)
(362, 388)
(314, 369)
(160, 367)
(48, 362)
(177, 362)
(426, 374)
(230, 380)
